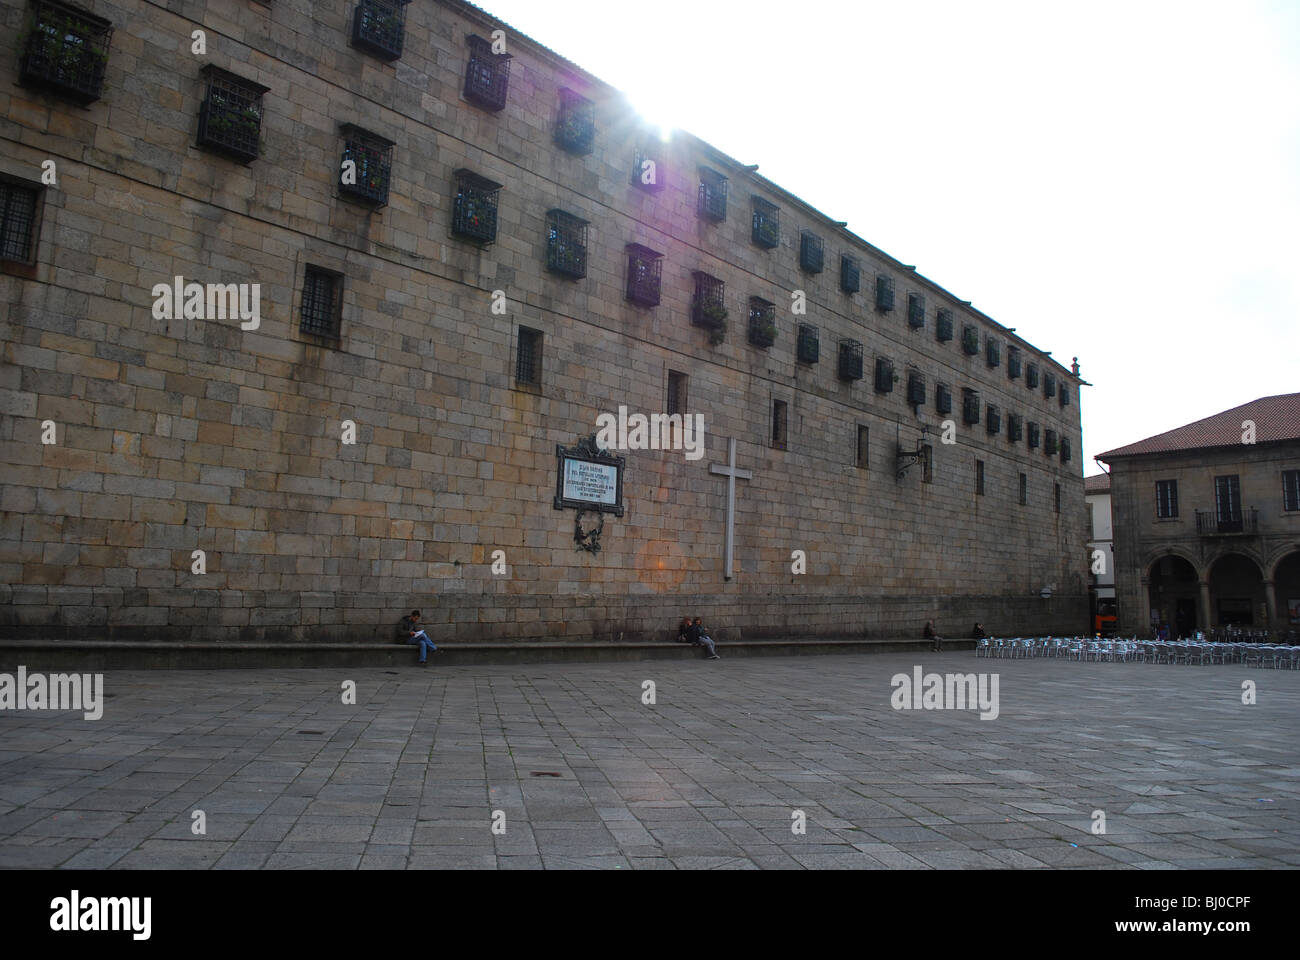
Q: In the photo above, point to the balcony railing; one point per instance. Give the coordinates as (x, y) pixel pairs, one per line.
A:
(1209, 523)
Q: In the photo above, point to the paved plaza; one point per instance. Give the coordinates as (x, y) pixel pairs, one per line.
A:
(586, 775)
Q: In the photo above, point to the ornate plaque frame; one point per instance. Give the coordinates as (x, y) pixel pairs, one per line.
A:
(587, 451)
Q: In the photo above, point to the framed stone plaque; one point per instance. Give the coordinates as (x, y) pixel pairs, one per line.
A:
(588, 478)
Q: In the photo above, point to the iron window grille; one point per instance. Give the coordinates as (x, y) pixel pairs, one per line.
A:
(762, 322)
(1050, 445)
(379, 26)
(915, 389)
(322, 303)
(944, 325)
(647, 171)
(372, 159)
(915, 311)
(645, 268)
(1056, 497)
(1065, 450)
(864, 446)
(708, 306)
(979, 478)
(677, 392)
(1024, 489)
(487, 75)
(1065, 395)
(884, 293)
(1015, 428)
(1033, 435)
(970, 339)
(474, 213)
(1291, 490)
(942, 398)
(884, 375)
(811, 252)
(575, 128)
(850, 365)
(230, 117)
(778, 424)
(566, 244)
(993, 419)
(766, 230)
(1049, 385)
(992, 351)
(1013, 363)
(712, 202)
(850, 274)
(528, 358)
(809, 348)
(1031, 376)
(65, 51)
(18, 207)
(970, 406)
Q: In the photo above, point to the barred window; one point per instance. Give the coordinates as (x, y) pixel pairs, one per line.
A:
(884, 375)
(487, 76)
(863, 446)
(850, 274)
(65, 52)
(1031, 376)
(993, 418)
(979, 478)
(1024, 489)
(811, 252)
(943, 325)
(766, 231)
(647, 170)
(942, 398)
(645, 269)
(322, 303)
(230, 117)
(379, 26)
(1013, 363)
(575, 129)
(474, 213)
(566, 244)
(884, 293)
(970, 406)
(915, 310)
(712, 203)
(1015, 427)
(367, 167)
(1056, 497)
(18, 206)
(528, 358)
(677, 384)
(992, 351)
(1033, 435)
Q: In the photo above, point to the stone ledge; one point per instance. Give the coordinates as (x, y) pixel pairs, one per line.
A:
(90, 656)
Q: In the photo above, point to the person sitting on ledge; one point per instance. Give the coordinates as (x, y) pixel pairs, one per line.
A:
(931, 634)
(978, 633)
(701, 637)
(684, 631)
(410, 631)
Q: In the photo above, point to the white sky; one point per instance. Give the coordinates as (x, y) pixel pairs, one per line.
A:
(1117, 180)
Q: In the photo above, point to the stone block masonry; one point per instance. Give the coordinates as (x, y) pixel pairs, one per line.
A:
(187, 434)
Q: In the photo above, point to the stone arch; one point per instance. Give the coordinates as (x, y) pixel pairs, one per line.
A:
(1237, 595)
(1284, 578)
(1274, 559)
(1172, 580)
(1173, 550)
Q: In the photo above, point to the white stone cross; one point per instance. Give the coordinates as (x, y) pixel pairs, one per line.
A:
(729, 471)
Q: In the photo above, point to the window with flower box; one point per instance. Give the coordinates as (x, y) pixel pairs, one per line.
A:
(884, 293)
(487, 75)
(850, 360)
(379, 27)
(64, 51)
(712, 201)
(230, 117)
(575, 127)
(809, 347)
(566, 244)
(762, 322)
(708, 306)
(811, 252)
(766, 231)
(367, 167)
(884, 375)
(943, 325)
(645, 269)
(850, 274)
(942, 398)
(474, 212)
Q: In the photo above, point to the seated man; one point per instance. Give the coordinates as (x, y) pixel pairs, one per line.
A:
(410, 631)
(931, 634)
(684, 631)
(701, 637)
(978, 633)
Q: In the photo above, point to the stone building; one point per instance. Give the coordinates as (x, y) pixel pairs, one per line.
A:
(298, 310)
(1207, 522)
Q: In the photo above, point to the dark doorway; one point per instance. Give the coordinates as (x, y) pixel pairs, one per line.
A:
(1185, 617)
(1174, 588)
(1236, 611)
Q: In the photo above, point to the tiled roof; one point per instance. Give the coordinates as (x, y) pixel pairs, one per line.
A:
(1275, 418)
(1098, 484)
